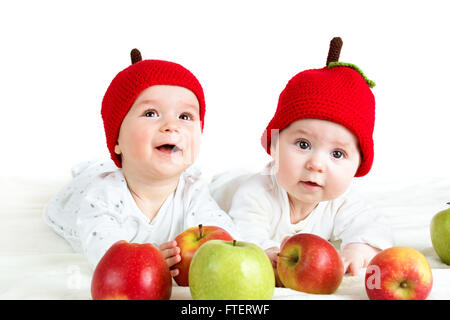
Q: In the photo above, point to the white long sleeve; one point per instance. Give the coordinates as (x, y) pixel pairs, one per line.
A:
(356, 221)
(96, 209)
(253, 215)
(260, 209)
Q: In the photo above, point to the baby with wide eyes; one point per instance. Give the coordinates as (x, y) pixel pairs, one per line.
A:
(160, 136)
(319, 138)
(316, 160)
(153, 115)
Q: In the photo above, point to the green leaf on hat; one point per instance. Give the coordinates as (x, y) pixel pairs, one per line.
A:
(371, 83)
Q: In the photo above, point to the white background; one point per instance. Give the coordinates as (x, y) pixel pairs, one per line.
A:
(58, 57)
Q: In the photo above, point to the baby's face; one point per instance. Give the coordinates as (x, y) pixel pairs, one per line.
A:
(316, 160)
(160, 135)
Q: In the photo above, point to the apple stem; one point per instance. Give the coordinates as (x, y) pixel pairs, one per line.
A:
(281, 256)
(403, 284)
(335, 50)
(448, 203)
(234, 243)
(200, 229)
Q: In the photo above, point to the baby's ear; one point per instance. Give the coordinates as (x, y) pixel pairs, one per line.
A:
(117, 149)
(274, 143)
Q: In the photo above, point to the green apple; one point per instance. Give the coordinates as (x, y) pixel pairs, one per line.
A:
(230, 270)
(440, 234)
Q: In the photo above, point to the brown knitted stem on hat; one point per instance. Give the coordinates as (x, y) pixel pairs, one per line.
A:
(335, 50)
(135, 56)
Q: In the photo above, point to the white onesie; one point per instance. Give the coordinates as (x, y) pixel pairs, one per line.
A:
(260, 209)
(96, 209)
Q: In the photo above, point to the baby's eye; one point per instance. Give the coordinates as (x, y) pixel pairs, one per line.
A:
(185, 116)
(302, 144)
(338, 154)
(151, 113)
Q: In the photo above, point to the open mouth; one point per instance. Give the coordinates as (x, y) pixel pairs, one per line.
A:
(168, 148)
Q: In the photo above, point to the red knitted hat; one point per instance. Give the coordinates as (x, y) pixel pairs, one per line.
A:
(339, 92)
(130, 82)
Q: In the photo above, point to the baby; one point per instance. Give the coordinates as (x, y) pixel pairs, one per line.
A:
(153, 114)
(319, 138)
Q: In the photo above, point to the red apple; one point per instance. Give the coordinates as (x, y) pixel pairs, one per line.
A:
(132, 271)
(311, 264)
(398, 273)
(189, 241)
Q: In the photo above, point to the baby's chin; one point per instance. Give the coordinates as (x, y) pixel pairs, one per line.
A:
(163, 169)
(156, 169)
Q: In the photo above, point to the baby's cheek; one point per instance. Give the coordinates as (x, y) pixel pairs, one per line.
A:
(337, 185)
(142, 142)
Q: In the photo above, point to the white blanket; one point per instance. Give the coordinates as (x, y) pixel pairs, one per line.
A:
(35, 263)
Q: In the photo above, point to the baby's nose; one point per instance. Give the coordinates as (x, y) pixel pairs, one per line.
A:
(169, 126)
(316, 163)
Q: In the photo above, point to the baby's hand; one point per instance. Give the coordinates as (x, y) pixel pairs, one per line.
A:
(356, 256)
(171, 253)
(272, 253)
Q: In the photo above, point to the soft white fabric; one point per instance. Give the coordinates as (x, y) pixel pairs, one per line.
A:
(96, 209)
(36, 263)
(260, 209)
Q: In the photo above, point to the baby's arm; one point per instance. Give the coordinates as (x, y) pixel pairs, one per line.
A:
(251, 211)
(356, 256)
(203, 209)
(362, 231)
(171, 252)
(99, 228)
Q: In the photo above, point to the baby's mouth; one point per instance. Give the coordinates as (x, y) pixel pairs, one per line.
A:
(168, 148)
(311, 184)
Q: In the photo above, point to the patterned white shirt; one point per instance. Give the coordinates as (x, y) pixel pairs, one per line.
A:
(96, 209)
